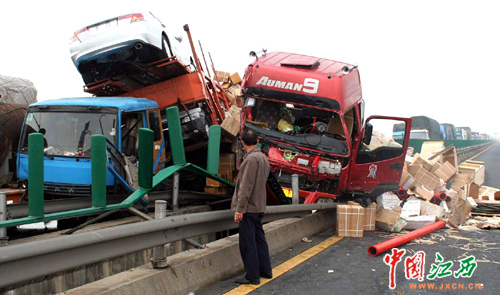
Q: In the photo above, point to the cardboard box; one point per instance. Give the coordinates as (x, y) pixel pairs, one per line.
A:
(235, 78)
(388, 200)
(435, 167)
(222, 77)
(213, 183)
(474, 169)
(227, 162)
(427, 179)
(407, 181)
(414, 168)
(227, 175)
(231, 99)
(487, 191)
(350, 221)
(421, 161)
(415, 222)
(422, 192)
(236, 90)
(461, 210)
(369, 214)
(230, 127)
(445, 171)
(216, 190)
(389, 220)
(410, 208)
(430, 209)
(459, 181)
(450, 156)
(235, 112)
(430, 148)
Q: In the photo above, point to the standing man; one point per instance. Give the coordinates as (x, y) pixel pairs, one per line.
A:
(249, 204)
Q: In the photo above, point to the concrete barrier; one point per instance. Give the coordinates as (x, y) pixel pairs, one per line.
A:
(194, 269)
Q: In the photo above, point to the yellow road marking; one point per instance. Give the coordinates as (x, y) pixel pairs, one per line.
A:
(480, 153)
(286, 266)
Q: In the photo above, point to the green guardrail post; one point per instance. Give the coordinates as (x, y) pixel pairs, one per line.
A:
(98, 154)
(214, 135)
(146, 137)
(175, 135)
(35, 175)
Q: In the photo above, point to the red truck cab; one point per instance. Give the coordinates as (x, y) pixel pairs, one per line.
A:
(308, 113)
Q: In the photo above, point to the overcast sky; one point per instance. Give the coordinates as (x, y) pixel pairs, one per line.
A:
(434, 58)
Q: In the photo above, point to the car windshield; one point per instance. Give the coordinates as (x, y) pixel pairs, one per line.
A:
(68, 133)
(297, 125)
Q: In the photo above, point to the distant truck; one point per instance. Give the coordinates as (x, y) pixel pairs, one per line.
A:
(448, 131)
(463, 133)
(309, 115)
(420, 123)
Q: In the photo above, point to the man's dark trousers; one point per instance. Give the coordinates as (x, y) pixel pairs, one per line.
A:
(253, 247)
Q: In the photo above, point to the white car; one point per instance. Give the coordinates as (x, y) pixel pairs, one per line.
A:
(110, 47)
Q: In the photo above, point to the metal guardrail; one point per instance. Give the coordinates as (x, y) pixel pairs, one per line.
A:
(53, 206)
(468, 152)
(23, 262)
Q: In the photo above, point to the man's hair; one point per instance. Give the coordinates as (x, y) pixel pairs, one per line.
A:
(249, 137)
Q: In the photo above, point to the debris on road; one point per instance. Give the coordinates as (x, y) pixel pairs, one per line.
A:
(491, 223)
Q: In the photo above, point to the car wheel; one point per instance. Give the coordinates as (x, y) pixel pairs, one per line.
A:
(166, 51)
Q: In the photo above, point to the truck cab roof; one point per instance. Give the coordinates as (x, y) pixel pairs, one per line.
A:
(124, 104)
(328, 83)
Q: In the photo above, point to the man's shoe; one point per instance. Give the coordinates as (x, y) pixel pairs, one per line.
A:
(266, 276)
(245, 281)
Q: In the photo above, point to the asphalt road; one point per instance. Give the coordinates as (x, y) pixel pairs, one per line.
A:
(492, 167)
(355, 272)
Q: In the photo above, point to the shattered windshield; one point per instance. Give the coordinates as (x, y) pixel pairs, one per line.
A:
(69, 133)
(297, 125)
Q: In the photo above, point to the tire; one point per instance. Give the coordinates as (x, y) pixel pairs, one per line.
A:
(166, 51)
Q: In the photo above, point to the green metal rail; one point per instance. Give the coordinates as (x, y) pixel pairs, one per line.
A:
(147, 181)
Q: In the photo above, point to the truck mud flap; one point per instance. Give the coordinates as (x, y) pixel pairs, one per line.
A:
(275, 195)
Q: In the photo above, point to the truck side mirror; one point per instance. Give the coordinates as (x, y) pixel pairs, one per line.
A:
(367, 137)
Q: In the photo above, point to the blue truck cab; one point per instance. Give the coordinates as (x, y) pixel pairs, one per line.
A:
(68, 125)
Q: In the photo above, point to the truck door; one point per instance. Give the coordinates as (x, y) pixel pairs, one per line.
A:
(377, 159)
(154, 123)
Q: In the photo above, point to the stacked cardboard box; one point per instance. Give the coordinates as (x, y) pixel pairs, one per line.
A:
(369, 213)
(425, 176)
(231, 84)
(227, 170)
(231, 125)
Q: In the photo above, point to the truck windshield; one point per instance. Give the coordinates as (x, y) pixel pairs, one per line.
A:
(297, 125)
(419, 134)
(68, 133)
